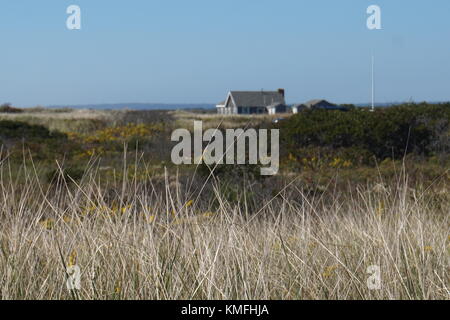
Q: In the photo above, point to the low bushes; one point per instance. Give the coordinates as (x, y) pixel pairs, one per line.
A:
(17, 137)
(361, 135)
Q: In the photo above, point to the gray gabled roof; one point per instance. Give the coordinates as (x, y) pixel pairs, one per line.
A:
(257, 98)
(315, 102)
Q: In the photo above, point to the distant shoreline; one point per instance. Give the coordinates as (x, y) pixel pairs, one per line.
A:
(191, 106)
(137, 106)
(188, 106)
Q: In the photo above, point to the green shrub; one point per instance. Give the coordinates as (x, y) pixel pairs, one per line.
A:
(390, 132)
(68, 174)
(19, 137)
(21, 130)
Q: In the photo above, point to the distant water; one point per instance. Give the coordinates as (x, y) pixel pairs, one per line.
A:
(178, 106)
(160, 106)
(138, 106)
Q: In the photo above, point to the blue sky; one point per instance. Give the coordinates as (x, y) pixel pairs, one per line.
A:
(178, 51)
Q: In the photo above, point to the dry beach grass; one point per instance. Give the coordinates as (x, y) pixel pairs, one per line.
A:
(185, 119)
(143, 241)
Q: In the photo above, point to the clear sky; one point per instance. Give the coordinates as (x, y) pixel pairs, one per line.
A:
(178, 51)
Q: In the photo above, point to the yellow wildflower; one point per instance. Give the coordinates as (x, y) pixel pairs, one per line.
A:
(329, 271)
(123, 210)
(48, 224)
(151, 218)
(209, 214)
(189, 203)
(72, 259)
(380, 209)
(347, 164)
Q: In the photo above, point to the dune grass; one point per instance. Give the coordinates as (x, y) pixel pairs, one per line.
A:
(185, 119)
(143, 240)
(85, 120)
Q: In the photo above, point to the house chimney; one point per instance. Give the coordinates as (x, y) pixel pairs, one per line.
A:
(281, 91)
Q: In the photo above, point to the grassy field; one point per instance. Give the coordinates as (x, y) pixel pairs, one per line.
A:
(105, 197)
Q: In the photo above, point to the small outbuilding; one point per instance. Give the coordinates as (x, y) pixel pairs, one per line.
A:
(316, 104)
(275, 108)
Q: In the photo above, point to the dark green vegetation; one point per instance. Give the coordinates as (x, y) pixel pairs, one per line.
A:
(363, 137)
(35, 140)
(96, 189)
(357, 145)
